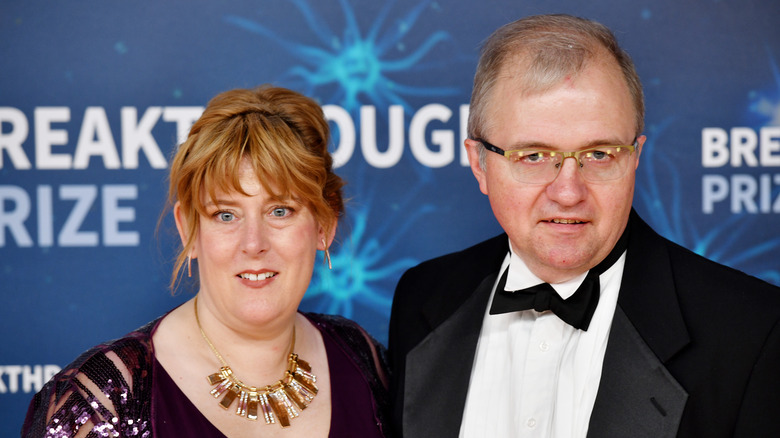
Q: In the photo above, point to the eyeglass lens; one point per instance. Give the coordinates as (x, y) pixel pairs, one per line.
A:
(602, 164)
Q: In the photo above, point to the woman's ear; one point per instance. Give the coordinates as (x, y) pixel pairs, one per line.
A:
(326, 239)
(183, 227)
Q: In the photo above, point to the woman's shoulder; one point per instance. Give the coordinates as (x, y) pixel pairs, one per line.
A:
(346, 332)
(104, 384)
(362, 348)
(332, 322)
(128, 349)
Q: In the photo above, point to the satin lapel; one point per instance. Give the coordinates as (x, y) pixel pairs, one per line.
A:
(441, 365)
(637, 396)
(648, 294)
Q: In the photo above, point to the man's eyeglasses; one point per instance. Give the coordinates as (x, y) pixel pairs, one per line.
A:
(541, 166)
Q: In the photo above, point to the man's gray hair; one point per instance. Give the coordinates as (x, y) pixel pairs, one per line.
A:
(545, 49)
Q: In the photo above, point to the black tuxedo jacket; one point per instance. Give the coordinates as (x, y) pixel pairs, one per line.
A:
(694, 349)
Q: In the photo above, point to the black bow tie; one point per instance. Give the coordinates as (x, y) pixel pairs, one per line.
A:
(577, 310)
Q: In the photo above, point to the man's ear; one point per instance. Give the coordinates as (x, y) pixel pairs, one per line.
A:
(641, 143)
(472, 147)
(183, 227)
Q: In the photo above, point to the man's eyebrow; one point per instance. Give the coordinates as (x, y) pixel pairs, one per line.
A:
(526, 145)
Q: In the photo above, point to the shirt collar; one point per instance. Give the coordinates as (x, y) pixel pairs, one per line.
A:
(520, 277)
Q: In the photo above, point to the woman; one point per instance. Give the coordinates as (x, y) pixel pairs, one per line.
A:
(254, 198)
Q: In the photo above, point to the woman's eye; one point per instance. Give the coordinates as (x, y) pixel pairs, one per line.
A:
(280, 211)
(225, 216)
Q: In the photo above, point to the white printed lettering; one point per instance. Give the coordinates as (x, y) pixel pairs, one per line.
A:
(443, 138)
(395, 148)
(747, 193)
(45, 217)
(743, 192)
(14, 219)
(95, 139)
(137, 136)
(46, 137)
(346, 132)
(70, 235)
(770, 146)
(741, 146)
(113, 214)
(464, 133)
(13, 372)
(32, 377)
(715, 188)
(184, 117)
(12, 141)
(744, 142)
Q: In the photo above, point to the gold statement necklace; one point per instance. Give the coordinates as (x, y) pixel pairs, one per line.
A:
(281, 401)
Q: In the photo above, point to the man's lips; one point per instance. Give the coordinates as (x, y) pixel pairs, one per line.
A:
(564, 221)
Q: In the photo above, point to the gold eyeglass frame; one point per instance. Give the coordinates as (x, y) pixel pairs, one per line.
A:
(564, 154)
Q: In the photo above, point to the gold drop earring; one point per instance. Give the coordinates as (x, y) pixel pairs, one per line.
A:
(327, 255)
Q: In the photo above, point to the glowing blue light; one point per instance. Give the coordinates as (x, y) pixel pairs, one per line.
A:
(669, 215)
(357, 65)
(765, 106)
(359, 269)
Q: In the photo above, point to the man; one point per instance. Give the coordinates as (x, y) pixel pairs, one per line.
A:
(637, 336)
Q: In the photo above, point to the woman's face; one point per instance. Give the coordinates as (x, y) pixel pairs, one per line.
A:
(255, 254)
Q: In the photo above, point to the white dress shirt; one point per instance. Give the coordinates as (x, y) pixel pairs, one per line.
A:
(533, 374)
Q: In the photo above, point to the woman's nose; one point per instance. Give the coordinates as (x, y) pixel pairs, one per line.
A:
(254, 237)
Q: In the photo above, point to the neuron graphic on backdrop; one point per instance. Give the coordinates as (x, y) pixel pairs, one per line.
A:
(668, 211)
(357, 68)
(356, 65)
(764, 108)
(359, 271)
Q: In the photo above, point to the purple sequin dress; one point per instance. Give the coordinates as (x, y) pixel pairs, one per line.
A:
(119, 389)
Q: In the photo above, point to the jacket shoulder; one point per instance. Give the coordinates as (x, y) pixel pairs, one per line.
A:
(470, 264)
(441, 285)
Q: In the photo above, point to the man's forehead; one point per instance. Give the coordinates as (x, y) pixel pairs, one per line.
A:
(520, 73)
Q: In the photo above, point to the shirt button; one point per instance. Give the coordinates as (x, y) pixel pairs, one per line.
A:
(544, 346)
(531, 423)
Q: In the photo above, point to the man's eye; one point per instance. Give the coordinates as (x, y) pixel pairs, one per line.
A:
(534, 157)
(603, 155)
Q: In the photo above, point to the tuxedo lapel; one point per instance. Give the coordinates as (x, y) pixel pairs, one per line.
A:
(444, 359)
(637, 396)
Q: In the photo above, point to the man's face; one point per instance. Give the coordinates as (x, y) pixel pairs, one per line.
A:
(565, 227)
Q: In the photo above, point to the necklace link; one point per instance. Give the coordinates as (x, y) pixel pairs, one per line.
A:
(280, 401)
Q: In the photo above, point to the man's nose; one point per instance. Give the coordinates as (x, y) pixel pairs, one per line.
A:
(568, 188)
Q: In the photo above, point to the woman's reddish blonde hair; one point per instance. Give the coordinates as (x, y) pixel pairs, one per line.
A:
(283, 135)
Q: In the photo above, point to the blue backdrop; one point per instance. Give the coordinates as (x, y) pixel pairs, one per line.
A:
(94, 95)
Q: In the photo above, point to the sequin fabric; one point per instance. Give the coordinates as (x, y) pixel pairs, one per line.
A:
(107, 390)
